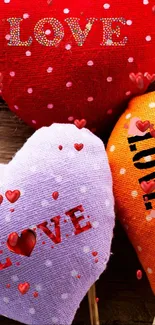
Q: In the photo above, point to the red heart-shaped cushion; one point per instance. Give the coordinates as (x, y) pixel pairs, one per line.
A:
(62, 61)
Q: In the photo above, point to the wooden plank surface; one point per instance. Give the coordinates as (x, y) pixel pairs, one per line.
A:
(123, 300)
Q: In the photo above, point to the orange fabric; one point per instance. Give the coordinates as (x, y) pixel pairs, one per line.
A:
(135, 207)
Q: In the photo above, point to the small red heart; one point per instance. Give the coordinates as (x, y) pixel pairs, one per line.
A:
(24, 244)
(94, 253)
(55, 195)
(60, 147)
(143, 126)
(152, 132)
(35, 294)
(78, 146)
(148, 187)
(12, 196)
(24, 287)
(1, 199)
(80, 123)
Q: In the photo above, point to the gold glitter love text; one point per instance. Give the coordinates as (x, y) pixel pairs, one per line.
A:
(80, 35)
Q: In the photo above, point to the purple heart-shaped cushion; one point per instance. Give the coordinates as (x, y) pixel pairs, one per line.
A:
(56, 224)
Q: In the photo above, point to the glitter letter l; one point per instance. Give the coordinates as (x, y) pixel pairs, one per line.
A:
(15, 33)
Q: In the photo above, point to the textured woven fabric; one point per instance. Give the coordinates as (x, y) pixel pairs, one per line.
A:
(88, 74)
(60, 174)
(131, 152)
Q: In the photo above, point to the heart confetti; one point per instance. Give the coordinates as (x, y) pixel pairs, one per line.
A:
(12, 196)
(78, 146)
(24, 288)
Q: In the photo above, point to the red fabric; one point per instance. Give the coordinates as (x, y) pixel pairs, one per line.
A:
(90, 96)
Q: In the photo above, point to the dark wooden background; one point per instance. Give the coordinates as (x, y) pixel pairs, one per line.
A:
(123, 300)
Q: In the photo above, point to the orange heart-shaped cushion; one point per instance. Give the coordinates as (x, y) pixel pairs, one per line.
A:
(131, 151)
(67, 60)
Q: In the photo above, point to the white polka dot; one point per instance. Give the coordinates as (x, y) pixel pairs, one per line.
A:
(149, 270)
(32, 226)
(145, 2)
(16, 107)
(48, 263)
(28, 53)
(74, 273)
(134, 193)
(49, 69)
(58, 179)
(66, 11)
(148, 158)
(7, 1)
(83, 189)
(8, 218)
(97, 167)
(38, 287)
(32, 311)
(12, 73)
(90, 99)
(109, 79)
(107, 203)
(95, 224)
(14, 278)
(33, 169)
(71, 154)
(6, 300)
(139, 248)
(70, 118)
(44, 203)
(129, 22)
(26, 16)
(64, 296)
(106, 6)
(152, 105)
(30, 90)
(86, 249)
(128, 93)
(68, 47)
(90, 63)
(148, 218)
(128, 116)
(148, 38)
(122, 171)
(69, 84)
(7, 37)
(130, 59)
(48, 32)
(54, 320)
(34, 122)
(109, 42)
(112, 148)
(50, 106)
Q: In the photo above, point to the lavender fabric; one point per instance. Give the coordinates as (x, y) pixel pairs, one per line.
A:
(62, 172)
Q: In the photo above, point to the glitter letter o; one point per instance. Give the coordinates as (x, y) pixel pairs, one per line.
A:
(39, 32)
